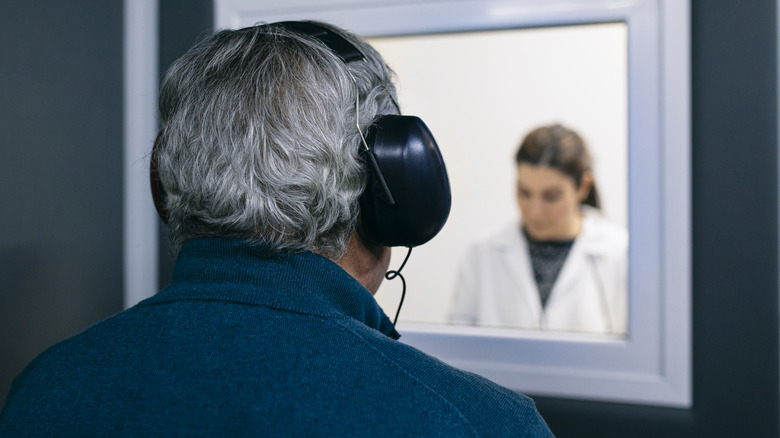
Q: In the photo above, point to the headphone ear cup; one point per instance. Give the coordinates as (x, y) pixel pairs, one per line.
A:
(410, 163)
(158, 192)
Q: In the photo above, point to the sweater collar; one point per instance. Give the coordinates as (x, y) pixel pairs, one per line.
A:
(239, 271)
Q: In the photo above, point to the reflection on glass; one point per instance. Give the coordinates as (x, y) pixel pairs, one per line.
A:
(563, 266)
(480, 92)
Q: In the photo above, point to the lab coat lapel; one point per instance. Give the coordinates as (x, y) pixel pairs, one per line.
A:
(575, 281)
(518, 264)
(572, 272)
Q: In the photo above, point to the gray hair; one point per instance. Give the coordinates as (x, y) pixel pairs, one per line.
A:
(259, 138)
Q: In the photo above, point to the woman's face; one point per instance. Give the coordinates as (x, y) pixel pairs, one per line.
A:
(549, 202)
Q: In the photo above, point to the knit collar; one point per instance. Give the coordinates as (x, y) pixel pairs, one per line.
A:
(239, 271)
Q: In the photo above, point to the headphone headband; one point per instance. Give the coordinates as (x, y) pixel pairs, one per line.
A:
(339, 45)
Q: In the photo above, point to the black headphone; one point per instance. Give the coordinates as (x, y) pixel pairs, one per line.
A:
(407, 200)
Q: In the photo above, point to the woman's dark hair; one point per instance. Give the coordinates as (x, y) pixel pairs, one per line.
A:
(562, 149)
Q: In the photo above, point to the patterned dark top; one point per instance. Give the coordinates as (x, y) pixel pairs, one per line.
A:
(547, 259)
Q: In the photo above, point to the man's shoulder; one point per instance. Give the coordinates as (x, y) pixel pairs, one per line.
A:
(488, 408)
(326, 362)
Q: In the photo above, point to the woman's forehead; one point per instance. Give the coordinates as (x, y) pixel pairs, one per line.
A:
(541, 177)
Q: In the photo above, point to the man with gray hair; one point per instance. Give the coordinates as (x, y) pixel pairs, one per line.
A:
(281, 208)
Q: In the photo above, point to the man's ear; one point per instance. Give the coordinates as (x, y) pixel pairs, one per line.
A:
(367, 263)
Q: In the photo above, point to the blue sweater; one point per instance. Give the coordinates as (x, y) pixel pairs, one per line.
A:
(245, 343)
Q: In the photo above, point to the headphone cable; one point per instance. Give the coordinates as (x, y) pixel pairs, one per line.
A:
(397, 273)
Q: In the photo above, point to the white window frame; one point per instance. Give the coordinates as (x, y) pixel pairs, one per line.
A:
(653, 364)
(141, 224)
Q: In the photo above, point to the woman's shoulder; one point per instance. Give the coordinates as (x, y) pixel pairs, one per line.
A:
(506, 238)
(508, 235)
(603, 234)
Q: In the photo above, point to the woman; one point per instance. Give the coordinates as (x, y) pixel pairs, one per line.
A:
(564, 267)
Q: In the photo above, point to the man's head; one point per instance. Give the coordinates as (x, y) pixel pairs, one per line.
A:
(259, 138)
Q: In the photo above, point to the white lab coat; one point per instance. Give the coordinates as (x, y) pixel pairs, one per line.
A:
(496, 286)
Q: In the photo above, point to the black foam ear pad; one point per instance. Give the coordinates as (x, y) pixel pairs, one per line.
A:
(410, 163)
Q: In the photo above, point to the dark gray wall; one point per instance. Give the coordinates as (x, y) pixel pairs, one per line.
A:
(61, 173)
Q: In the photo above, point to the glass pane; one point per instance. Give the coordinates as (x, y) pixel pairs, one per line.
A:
(481, 93)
